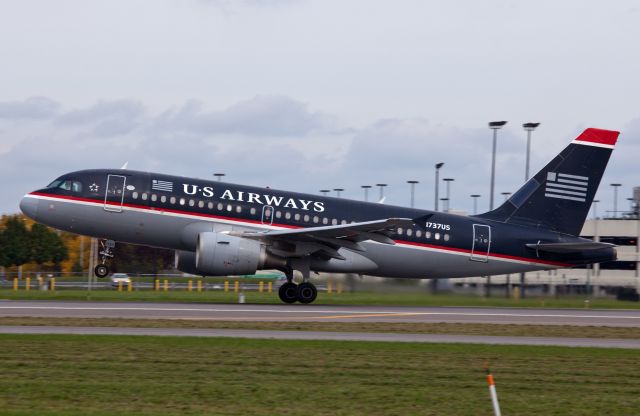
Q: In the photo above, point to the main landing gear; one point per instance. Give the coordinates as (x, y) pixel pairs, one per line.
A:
(290, 292)
(106, 253)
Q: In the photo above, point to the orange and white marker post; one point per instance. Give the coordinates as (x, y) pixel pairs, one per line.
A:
(492, 390)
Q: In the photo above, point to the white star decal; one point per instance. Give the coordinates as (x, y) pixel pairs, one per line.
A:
(94, 187)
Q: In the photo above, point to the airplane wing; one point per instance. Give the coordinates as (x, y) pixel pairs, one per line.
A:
(566, 248)
(328, 239)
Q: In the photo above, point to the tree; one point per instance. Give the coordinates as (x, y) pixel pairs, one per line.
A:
(46, 246)
(15, 243)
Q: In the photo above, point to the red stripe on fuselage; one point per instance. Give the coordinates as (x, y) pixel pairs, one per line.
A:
(198, 214)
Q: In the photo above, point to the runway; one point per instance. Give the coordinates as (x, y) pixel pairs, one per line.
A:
(320, 313)
(327, 336)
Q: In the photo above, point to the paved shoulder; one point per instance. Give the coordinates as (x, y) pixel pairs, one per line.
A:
(320, 335)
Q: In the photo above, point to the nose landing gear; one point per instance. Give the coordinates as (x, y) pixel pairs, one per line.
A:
(106, 253)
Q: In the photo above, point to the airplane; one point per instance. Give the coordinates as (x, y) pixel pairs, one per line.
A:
(224, 229)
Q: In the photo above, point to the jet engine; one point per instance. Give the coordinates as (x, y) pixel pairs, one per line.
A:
(220, 254)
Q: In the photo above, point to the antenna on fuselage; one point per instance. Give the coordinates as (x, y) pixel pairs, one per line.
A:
(126, 164)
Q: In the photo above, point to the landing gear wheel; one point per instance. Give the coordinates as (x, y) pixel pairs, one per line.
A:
(307, 292)
(101, 270)
(288, 292)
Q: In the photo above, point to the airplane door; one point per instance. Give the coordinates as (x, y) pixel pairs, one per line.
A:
(114, 194)
(267, 215)
(481, 243)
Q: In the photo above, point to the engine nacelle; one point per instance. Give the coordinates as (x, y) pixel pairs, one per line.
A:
(220, 254)
(185, 261)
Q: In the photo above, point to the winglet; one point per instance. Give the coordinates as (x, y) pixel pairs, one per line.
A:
(421, 221)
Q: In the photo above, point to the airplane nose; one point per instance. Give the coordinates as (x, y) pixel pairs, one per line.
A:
(29, 206)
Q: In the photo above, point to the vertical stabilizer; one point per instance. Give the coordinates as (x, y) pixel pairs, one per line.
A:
(559, 197)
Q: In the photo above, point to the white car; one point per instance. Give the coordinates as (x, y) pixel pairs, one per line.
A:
(116, 278)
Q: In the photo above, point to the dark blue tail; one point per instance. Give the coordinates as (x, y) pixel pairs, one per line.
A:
(558, 197)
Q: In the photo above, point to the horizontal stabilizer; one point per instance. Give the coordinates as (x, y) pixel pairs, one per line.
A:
(565, 248)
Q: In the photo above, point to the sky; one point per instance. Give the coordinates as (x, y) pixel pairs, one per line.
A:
(306, 95)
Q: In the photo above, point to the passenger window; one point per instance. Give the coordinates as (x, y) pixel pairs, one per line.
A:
(154, 197)
(238, 209)
(163, 199)
(409, 232)
(306, 218)
(287, 215)
(400, 230)
(446, 237)
(210, 205)
(278, 214)
(134, 195)
(334, 222)
(316, 219)
(325, 220)
(144, 196)
(297, 217)
(229, 208)
(220, 206)
(437, 236)
(200, 204)
(183, 201)
(252, 211)
(173, 200)
(343, 222)
(418, 233)
(192, 202)
(427, 234)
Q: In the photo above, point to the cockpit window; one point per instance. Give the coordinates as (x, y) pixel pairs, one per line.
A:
(54, 184)
(73, 186)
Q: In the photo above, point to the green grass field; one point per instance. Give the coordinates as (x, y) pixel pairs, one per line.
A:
(358, 298)
(108, 375)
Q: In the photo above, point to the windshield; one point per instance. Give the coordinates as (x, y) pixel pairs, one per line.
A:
(54, 184)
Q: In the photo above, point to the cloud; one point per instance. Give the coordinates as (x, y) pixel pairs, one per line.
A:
(272, 115)
(107, 118)
(279, 142)
(32, 108)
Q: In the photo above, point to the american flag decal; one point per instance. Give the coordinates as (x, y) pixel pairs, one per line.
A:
(165, 186)
(565, 186)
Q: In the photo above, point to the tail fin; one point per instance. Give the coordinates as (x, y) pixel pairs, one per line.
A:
(560, 195)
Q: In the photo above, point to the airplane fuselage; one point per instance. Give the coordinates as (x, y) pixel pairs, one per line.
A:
(170, 212)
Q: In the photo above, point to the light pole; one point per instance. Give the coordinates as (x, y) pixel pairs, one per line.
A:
(595, 208)
(366, 192)
(529, 127)
(338, 190)
(475, 202)
(615, 198)
(438, 166)
(325, 191)
(381, 186)
(631, 201)
(448, 182)
(506, 195)
(413, 186)
(219, 176)
(495, 126)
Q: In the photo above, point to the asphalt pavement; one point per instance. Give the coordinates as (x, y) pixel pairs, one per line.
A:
(320, 313)
(332, 336)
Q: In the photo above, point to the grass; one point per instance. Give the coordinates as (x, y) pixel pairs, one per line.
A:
(105, 375)
(358, 298)
(564, 331)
